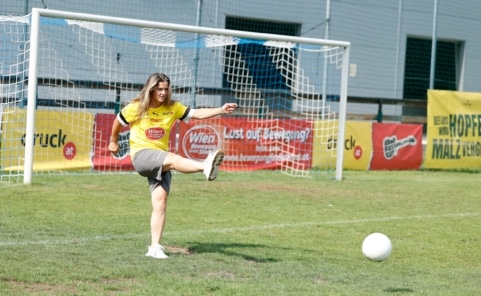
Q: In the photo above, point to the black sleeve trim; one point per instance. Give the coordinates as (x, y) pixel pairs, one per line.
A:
(122, 118)
(185, 113)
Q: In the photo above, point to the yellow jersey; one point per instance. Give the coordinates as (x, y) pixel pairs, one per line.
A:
(152, 131)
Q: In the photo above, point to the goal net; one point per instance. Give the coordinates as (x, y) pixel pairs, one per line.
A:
(65, 76)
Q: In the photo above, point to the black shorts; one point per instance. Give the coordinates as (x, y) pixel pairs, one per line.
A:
(148, 163)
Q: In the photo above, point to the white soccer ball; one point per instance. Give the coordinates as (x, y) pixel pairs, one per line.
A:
(376, 247)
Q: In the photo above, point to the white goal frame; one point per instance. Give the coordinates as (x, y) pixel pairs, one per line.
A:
(34, 48)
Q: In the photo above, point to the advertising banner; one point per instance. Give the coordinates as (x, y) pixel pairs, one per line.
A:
(264, 144)
(63, 140)
(356, 143)
(453, 130)
(396, 146)
(102, 159)
(251, 145)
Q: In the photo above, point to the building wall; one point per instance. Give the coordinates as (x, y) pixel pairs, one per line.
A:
(377, 30)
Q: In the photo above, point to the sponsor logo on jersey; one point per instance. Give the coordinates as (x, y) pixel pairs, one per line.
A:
(155, 133)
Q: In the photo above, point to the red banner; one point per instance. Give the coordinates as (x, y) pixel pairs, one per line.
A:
(396, 146)
(249, 145)
(102, 159)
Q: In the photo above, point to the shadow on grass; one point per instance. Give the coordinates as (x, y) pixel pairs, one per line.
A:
(229, 250)
(399, 290)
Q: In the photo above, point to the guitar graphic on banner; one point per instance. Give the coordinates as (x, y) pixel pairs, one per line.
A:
(391, 145)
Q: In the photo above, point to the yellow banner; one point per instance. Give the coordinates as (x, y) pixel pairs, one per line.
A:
(357, 145)
(62, 141)
(453, 130)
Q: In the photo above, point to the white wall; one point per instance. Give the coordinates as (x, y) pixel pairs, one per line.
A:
(377, 30)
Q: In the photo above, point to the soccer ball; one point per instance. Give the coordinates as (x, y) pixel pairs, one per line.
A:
(376, 247)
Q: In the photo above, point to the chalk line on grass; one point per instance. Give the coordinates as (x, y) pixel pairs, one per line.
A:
(238, 229)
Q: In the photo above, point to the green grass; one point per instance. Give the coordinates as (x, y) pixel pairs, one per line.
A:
(260, 233)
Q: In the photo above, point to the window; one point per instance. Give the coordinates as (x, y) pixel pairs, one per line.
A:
(417, 71)
(418, 64)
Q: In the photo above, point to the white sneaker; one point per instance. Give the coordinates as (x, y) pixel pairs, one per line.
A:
(156, 251)
(212, 163)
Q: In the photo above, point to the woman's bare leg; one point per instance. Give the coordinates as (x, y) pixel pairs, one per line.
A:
(181, 164)
(159, 210)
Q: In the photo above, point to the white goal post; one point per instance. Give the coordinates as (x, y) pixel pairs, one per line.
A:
(275, 79)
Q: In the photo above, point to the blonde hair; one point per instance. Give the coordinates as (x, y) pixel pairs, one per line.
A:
(146, 93)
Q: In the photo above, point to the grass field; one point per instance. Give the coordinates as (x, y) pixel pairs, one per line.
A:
(260, 233)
